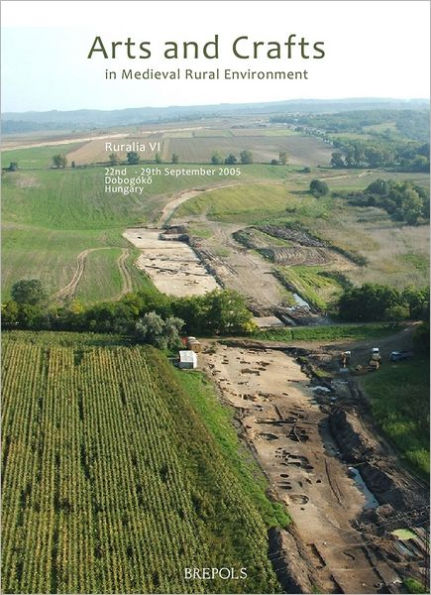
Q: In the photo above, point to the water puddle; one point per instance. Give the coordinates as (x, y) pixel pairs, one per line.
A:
(300, 302)
(371, 501)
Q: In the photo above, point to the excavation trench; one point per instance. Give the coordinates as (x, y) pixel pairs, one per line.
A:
(297, 441)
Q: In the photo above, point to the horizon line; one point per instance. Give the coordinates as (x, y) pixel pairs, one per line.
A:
(222, 104)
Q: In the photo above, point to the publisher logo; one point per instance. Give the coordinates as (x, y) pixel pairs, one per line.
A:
(205, 574)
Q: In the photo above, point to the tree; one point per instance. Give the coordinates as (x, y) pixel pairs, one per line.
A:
(274, 162)
(337, 160)
(9, 314)
(28, 291)
(370, 302)
(13, 166)
(216, 158)
(227, 312)
(246, 157)
(173, 326)
(282, 157)
(175, 158)
(350, 156)
(420, 163)
(73, 164)
(418, 302)
(230, 159)
(411, 206)
(158, 158)
(151, 328)
(132, 158)
(421, 338)
(379, 186)
(375, 157)
(318, 188)
(113, 159)
(59, 161)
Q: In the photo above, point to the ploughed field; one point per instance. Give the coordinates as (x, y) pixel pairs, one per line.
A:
(111, 481)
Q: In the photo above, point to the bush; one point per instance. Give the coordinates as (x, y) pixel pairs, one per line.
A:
(404, 201)
(246, 157)
(414, 586)
(319, 188)
(163, 334)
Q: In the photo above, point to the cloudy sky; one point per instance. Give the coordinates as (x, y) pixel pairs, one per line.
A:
(373, 49)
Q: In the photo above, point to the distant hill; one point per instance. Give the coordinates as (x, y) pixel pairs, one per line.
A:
(14, 122)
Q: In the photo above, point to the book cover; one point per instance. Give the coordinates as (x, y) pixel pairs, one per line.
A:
(215, 297)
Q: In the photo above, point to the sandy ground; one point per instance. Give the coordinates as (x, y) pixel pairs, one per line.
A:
(172, 265)
(284, 426)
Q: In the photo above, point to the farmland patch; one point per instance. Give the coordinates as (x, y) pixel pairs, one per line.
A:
(301, 150)
(112, 482)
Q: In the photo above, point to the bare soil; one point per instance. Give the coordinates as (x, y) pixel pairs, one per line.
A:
(172, 265)
(285, 424)
(240, 269)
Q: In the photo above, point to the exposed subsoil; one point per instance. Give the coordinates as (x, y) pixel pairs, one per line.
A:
(310, 442)
(171, 263)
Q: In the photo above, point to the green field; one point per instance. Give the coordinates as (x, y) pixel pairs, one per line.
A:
(112, 481)
(49, 217)
(245, 203)
(52, 216)
(36, 157)
(399, 397)
(312, 284)
(332, 332)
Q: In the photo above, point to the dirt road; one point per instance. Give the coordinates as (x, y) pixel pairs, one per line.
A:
(69, 290)
(126, 279)
(285, 427)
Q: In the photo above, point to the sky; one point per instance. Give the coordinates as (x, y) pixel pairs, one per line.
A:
(372, 49)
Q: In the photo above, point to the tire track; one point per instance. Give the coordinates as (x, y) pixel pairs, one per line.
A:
(69, 290)
(127, 285)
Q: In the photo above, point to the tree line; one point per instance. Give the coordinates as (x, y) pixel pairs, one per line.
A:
(147, 315)
(411, 124)
(373, 302)
(404, 201)
(401, 156)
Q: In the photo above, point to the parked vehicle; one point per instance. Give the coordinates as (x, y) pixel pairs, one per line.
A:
(398, 356)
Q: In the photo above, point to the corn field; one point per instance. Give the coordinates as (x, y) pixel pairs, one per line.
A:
(111, 482)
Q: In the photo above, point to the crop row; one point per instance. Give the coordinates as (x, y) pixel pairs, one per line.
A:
(111, 482)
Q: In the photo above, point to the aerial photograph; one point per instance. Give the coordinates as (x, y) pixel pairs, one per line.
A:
(215, 297)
